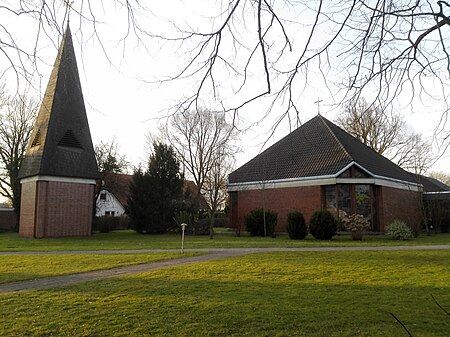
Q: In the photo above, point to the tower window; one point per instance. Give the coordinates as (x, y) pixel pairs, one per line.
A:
(70, 140)
(37, 139)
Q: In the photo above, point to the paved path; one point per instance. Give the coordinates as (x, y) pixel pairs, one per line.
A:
(212, 254)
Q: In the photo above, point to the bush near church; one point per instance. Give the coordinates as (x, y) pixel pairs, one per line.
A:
(254, 222)
(356, 224)
(323, 225)
(106, 223)
(398, 230)
(296, 226)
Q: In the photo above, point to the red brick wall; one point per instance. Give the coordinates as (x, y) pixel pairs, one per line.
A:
(56, 209)
(392, 204)
(283, 200)
(27, 209)
(399, 204)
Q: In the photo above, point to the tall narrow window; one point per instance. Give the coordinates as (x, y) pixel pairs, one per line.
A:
(362, 201)
(330, 199)
(345, 200)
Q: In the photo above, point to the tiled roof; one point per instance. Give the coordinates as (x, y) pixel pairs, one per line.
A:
(61, 143)
(119, 185)
(191, 186)
(433, 185)
(317, 148)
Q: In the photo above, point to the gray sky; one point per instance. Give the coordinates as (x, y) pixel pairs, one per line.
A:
(124, 102)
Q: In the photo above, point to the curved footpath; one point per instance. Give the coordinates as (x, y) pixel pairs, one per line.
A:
(212, 254)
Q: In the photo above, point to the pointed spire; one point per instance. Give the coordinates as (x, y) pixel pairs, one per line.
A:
(61, 143)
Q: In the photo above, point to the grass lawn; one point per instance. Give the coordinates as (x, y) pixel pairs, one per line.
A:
(132, 240)
(270, 294)
(25, 267)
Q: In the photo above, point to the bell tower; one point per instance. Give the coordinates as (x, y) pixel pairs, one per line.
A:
(59, 168)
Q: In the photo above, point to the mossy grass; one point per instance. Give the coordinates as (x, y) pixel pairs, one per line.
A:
(132, 240)
(25, 267)
(271, 294)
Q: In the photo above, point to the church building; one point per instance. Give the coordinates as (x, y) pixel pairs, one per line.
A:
(320, 166)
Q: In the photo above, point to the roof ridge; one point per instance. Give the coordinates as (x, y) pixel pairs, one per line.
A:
(324, 120)
(317, 148)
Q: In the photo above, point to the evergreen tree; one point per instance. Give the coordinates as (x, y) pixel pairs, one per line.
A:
(167, 185)
(139, 201)
(155, 195)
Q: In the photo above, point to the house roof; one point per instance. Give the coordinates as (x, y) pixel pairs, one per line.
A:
(61, 143)
(191, 186)
(119, 186)
(433, 185)
(317, 148)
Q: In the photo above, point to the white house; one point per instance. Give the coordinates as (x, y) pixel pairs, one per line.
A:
(108, 204)
(113, 201)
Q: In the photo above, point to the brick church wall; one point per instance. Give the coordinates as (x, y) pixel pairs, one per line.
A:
(402, 205)
(283, 200)
(393, 204)
(27, 209)
(56, 209)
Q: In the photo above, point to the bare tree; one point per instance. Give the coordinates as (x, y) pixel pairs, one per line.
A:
(47, 19)
(441, 176)
(197, 137)
(215, 186)
(387, 134)
(110, 163)
(371, 125)
(109, 159)
(241, 51)
(273, 49)
(204, 143)
(17, 114)
(413, 154)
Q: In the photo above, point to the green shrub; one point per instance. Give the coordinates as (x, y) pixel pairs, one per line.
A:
(199, 227)
(221, 221)
(445, 222)
(296, 226)
(124, 222)
(323, 225)
(254, 222)
(195, 226)
(105, 224)
(398, 230)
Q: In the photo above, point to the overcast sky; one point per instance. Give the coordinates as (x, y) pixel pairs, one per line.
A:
(124, 103)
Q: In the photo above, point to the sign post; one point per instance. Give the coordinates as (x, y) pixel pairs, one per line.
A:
(183, 227)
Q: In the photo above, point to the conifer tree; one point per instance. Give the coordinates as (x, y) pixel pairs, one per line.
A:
(155, 195)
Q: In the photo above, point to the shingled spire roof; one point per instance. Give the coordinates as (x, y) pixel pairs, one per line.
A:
(61, 143)
(317, 148)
